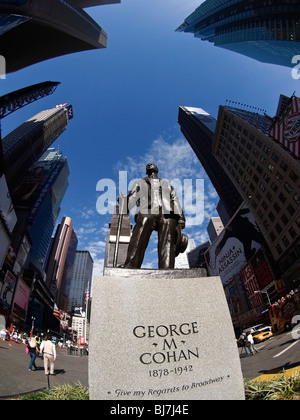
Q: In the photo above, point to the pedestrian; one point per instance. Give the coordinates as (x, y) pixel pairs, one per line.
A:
(244, 343)
(49, 351)
(250, 340)
(33, 352)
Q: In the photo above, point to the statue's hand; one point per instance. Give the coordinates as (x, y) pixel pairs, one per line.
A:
(181, 223)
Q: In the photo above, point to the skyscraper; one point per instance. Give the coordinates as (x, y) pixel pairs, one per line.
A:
(214, 228)
(267, 176)
(198, 127)
(81, 280)
(267, 31)
(26, 144)
(34, 30)
(65, 240)
(46, 209)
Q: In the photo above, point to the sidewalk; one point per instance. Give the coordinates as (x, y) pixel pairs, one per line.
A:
(277, 373)
(16, 379)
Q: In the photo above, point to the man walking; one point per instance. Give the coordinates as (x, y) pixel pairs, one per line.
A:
(49, 351)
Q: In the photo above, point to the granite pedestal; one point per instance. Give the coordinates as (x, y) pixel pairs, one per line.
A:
(162, 335)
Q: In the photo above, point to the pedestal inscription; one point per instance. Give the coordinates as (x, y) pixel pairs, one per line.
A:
(156, 338)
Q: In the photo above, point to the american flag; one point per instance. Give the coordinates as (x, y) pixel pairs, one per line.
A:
(287, 129)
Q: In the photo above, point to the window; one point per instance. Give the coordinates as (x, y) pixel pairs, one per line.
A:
(259, 143)
(259, 169)
(276, 207)
(278, 228)
(291, 209)
(282, 198)
(262, 187)
(269, 196)
(271, 216)
(279, 177)
(288, 187)
(293, 176)
(297, 198)
(285, 241)
(283, 166)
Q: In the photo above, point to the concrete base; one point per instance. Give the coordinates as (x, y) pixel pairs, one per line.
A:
(162, 335)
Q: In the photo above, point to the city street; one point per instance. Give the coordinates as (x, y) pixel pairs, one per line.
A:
(15, 379)
(279, 352)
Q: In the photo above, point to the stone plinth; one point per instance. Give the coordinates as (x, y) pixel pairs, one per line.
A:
(162, 335)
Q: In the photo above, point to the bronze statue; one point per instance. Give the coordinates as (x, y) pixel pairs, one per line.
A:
(159, 209)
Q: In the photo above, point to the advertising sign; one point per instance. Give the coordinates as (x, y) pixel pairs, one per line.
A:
(82, 341)
(21, 300)
(234, 247)
(251, 286)
(7, 289)
(6, 205)
(287, 129)
(4, 244)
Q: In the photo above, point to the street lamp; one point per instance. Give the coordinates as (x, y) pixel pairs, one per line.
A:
(260, 291)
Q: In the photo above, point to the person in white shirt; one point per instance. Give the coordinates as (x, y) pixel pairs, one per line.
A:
(251, 343)
(49, 351)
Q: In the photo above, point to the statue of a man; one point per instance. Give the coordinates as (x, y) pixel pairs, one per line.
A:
(158, 208)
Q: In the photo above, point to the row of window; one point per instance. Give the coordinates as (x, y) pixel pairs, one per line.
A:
(264, 175)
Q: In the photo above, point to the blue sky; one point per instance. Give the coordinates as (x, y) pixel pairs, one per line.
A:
(126, 101)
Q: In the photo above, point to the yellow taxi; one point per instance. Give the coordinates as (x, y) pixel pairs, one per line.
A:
(260, 336)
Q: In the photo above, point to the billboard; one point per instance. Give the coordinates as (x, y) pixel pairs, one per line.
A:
(235, 246)
(4, 244)
(251, 286)
(6, 205)
(21, 300)
(287, 129)
(7, 289)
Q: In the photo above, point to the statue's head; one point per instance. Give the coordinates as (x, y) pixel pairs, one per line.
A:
(150, 168)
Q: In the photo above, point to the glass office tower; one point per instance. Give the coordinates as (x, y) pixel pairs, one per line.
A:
(267, 31)
(81, 280)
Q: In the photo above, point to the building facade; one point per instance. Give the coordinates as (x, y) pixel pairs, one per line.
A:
(214, 228)
(267, 31)
(27, 143)
(46, 209)
(81, 280)
(267, 176)
(198, 127)
(63, 244)
(33, 31)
